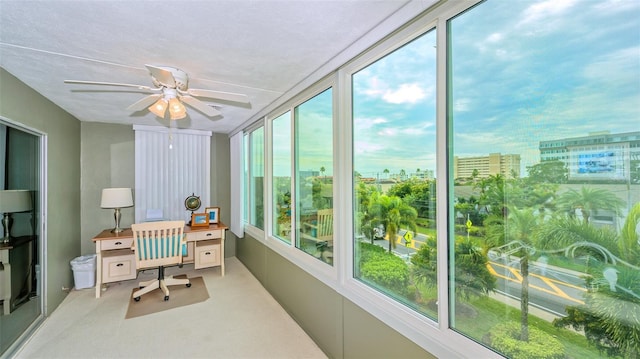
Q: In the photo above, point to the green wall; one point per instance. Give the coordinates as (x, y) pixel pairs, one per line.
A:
(107, 158)
(339, 327)
(23, 105)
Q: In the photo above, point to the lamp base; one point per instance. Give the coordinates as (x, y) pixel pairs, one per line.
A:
(117, 230)
(5, 240)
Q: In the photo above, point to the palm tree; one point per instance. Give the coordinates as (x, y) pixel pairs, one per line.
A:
(492, 194)
(472, 276)
(589, 200)
(519, 227)
(364, 196)
(392, 213)
(610, 315)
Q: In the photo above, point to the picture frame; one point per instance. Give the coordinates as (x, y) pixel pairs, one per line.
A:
(213, 214)
(199, 220)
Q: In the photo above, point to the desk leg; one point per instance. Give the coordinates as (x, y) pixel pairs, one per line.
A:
(98, 270)
(222, 254)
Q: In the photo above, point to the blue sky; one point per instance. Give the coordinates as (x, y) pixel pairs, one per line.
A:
(523, 72)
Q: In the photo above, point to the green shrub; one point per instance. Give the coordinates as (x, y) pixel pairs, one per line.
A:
(505, 338)
(384, 269)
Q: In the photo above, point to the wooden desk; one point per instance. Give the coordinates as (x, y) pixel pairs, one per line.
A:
(115, 260)
(23, 259)
(5, 278)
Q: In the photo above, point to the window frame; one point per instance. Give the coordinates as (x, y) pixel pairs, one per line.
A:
(249, 228)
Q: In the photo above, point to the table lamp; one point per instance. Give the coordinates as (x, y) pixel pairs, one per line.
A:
(12, 201)
(116, 198)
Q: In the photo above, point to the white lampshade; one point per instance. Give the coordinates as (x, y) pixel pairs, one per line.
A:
(116, 198)
(15, 201)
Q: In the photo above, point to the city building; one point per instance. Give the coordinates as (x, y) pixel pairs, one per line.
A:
(493, 164)
(597, 156)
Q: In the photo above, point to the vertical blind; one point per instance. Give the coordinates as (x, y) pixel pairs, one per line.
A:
(170, 165)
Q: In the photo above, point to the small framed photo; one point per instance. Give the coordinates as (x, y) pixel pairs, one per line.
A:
(199, 220)
(214, 214)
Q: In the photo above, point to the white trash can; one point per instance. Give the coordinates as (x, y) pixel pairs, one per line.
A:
(84, 271)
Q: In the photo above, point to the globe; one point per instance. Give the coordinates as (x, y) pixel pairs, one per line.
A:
(192, 203)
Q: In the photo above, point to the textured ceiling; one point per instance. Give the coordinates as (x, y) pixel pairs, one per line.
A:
(259, 48)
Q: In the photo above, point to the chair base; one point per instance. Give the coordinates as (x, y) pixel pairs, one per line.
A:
(162, 282)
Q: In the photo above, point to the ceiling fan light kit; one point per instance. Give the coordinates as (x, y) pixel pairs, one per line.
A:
(159, 107)
(177, 110)
(170, 92)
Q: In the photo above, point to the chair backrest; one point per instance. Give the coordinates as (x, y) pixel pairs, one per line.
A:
(325, 224)
(158, 243)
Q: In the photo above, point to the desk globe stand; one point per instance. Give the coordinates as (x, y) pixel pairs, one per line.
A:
(192, 203)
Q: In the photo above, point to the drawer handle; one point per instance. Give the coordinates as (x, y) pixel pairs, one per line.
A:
(118, 243)
(119, 265)
(207, 253)
(209, 234)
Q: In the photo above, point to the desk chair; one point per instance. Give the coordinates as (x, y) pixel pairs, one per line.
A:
(158, 244)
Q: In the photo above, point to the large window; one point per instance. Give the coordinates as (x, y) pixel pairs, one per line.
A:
(394, 145)
(545, 203)
(314, 175)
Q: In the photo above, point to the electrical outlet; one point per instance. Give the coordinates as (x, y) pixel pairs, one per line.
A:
(66, 289)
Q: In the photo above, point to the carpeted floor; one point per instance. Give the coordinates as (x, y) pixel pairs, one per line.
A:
(238, 320)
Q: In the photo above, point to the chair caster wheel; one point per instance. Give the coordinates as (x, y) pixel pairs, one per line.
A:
(137, 299)
(188, 285)
(166, 298)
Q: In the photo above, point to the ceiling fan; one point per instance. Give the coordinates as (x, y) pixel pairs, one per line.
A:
(170, 91)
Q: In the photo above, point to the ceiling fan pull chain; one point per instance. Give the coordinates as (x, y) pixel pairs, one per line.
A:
(170, 135)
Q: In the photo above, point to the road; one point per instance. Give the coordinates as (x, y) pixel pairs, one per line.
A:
(551, 289)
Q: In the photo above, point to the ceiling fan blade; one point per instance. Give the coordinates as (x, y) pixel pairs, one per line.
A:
(165, 77)
(200, 106)
(220, 95)
(140, 87)
(144, 102)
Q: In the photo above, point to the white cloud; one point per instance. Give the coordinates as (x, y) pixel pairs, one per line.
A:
(406, 93)
(542, 11)
(365, 123)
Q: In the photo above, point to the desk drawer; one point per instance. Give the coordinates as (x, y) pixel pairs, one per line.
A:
(119, 243)
(118, 265)
(207, 254)
(200, 235)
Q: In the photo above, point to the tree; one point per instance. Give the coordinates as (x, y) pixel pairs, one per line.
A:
(589, 200)
(549, 172)
(520, 225)
(393, 214)
(472, 277)
(364, 194)
(610, 316)
(492, 195)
